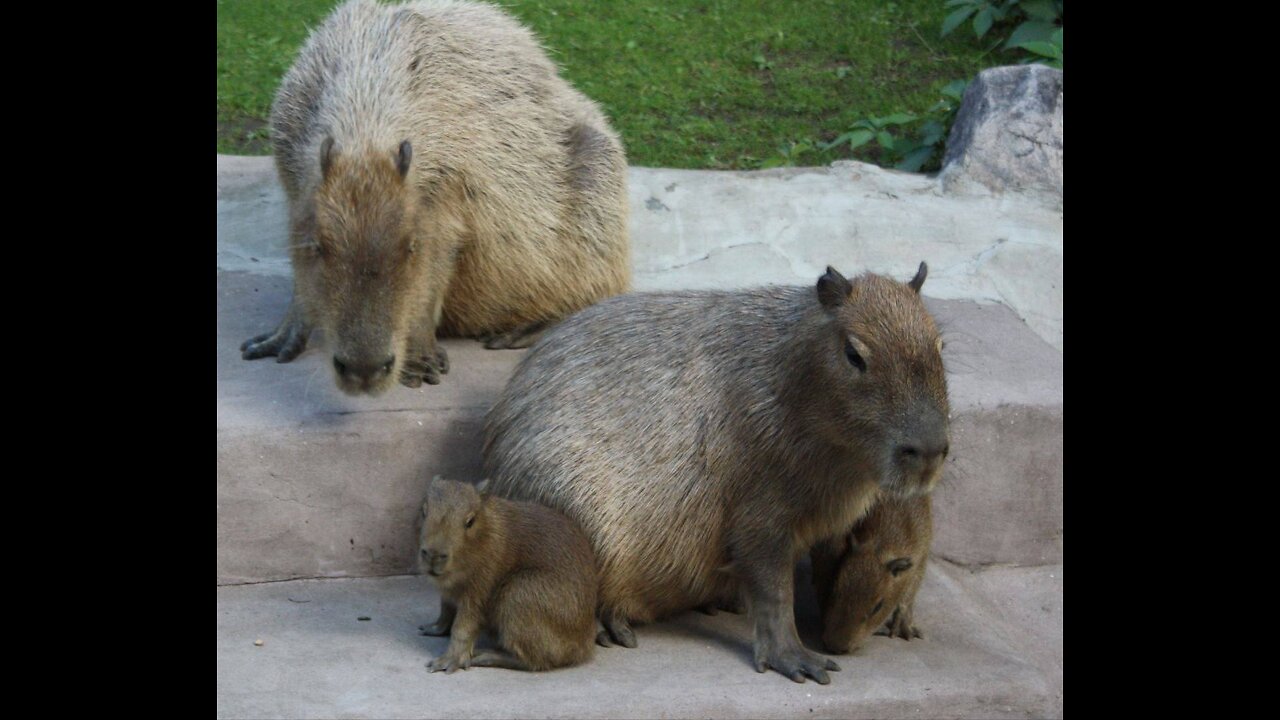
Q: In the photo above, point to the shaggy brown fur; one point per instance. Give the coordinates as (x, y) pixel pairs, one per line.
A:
(521, 570)
(443, 178)
(872, 571)
(705, 440)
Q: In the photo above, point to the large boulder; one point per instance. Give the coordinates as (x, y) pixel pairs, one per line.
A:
(1008, 133)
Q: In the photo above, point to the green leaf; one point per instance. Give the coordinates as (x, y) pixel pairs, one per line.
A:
(931, 133)
(773, 162)
(856, 139)
(905, 146)
(953, 3)
(955, 89)
(982, 22)
(885, 139)
(955, 19)
(1040, 47)
(915, 159)
(1030, 30)
(894, 119)
(1056, 38)
(1041, 10)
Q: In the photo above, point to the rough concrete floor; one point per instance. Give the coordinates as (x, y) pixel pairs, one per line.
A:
(992, 648)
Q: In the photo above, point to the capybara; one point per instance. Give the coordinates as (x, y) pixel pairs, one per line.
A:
(520, 570)
(870, 574)
(441, 178)
(706, 440)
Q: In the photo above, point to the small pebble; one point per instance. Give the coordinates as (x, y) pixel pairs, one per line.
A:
(258, 642)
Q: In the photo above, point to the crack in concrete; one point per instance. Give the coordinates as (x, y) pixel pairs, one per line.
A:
(428, 411)
(721, 250)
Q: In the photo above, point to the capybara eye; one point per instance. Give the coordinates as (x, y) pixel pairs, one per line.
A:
(471, 521)
(899, 566)
(876, 609)
(854, 358)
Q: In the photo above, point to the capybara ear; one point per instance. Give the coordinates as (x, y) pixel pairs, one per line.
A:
(918, 280)
(326, 156)
(405, 156)
(833, 289)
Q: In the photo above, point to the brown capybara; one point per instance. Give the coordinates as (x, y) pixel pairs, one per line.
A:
(441, 178)
(870, 574)
(520, 570)
(706, 440)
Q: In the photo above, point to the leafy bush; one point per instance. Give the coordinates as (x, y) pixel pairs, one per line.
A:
(1039, 33)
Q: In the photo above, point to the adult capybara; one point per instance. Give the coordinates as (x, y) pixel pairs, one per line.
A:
(524, 571)
(705, 440)
(871, 573)
(441, 177)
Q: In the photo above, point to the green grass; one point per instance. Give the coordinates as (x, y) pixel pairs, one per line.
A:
(688, 83)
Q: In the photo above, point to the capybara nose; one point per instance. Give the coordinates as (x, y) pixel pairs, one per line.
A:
(363, 370)
(921, 455)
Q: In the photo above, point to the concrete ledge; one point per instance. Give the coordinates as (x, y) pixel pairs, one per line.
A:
(312, 483)
(992, 648)
(716, 229)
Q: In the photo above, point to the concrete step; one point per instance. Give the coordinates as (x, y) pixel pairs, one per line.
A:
(992, 648)
(312, 483)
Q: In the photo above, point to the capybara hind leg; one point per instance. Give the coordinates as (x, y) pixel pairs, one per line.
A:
(494, 658)
(521, 337)
(284, 343)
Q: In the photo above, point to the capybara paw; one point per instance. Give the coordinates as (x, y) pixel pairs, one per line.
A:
(798, 664)
(285, 344)
(425, 368)
(435, 629)
(450, 662)
(521, 337)
(620, 632)
(900, 626)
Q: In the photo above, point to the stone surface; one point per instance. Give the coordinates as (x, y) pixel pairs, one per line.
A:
(992, 648)
(313, 483)
(713, 229)
(1008, 133)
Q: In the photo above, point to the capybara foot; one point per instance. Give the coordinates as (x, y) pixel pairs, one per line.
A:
(450, 661)
(521, 337)
(284, 344)
(900, 625)
(616, 631)
(797, 664)
(493, 658)
(426, 368)
(436, 629)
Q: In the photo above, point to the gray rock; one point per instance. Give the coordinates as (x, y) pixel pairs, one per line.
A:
(1008, 133)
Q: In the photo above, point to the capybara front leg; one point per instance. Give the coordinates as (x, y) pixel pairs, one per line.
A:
(768, 577)
(462, 643)
(901, 624)
(443, 623)
(284, 343)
